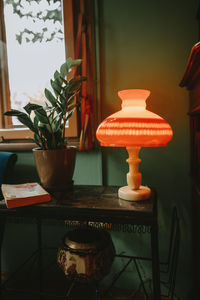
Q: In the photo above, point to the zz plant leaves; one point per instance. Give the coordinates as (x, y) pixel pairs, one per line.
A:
(31, 106)
(50, 97)
(48, 121)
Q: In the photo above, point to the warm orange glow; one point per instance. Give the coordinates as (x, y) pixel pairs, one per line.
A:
(134, 125)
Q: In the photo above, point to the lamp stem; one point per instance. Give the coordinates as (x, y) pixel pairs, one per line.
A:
(134, 177)
(134, 191)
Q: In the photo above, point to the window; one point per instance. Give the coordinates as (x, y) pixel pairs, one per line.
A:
(35, 38)
(34, 48)
(31, 46)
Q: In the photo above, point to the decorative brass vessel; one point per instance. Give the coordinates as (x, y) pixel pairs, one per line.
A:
(86, 254)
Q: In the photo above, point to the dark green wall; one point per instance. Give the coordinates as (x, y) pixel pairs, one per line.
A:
(143, 44)
(146, 44)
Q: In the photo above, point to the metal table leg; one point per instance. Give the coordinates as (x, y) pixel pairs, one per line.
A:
(155, 262)
(40, 256)
(2, 229)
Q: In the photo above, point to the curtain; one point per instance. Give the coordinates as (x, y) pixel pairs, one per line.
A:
(4, 84)
(79, 28)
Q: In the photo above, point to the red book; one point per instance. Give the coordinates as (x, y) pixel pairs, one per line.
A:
(16, 195)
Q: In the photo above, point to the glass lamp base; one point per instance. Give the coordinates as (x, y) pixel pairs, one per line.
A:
(142, 193)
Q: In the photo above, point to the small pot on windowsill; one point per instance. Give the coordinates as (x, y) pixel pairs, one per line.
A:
(55, 168)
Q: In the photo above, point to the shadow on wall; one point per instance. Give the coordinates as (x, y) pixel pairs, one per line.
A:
(24, 170)
(88, 169)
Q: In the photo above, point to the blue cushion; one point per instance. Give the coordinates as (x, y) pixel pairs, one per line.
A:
(7, 160)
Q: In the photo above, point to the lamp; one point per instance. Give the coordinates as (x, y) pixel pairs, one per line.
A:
(134, 127)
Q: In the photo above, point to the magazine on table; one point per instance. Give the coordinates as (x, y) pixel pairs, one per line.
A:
(24, 194)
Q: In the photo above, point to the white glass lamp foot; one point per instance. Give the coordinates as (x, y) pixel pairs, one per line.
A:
(128, 194)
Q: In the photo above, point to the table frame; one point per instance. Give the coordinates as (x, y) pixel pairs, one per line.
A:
(95, 204)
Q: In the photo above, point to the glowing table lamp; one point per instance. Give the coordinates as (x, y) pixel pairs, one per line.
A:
(134, 127)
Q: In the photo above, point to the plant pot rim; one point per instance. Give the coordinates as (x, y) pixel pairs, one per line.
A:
(67, 148)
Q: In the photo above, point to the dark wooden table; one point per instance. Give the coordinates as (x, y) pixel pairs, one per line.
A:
(95, 204)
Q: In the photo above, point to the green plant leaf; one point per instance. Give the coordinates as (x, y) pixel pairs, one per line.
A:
(37, 139)
(75, 83)
(62, 98)
(74, 88)
(35, 121)
(69, 63)
(14, 113)
(45, 131)
(59, 83)
(69, 114)
(63, 103)
(50, 97)
(76, 62)
(31, 106)
(64, 69)
(59, 109)
(57, 77)
(59, 116)
(42, 116)
(65, 92)
(40, 140)
(56, 124)
(70, 99)
(59, 139)
(25, 119)
(64, 80)
(47, 126)
(34, 141)
(57, 88)
(78, 79)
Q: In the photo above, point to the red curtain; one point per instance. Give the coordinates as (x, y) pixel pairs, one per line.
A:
(80, 43)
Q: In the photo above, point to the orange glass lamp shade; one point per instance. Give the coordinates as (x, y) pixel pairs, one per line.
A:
(134, 127)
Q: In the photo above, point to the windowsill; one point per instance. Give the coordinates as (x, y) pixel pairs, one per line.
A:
(27, 146)
(17, 146)
(15, 139)
(15, 133)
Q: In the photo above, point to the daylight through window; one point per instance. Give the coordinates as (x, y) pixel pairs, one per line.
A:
(35, 48)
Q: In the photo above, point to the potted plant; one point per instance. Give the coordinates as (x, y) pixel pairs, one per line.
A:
(55, 160)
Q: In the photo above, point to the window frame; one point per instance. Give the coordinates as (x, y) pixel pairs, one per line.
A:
(11, 136)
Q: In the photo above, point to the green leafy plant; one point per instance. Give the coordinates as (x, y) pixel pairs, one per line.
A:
(49, 121)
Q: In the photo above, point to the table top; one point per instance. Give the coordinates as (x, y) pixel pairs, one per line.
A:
(92, 203)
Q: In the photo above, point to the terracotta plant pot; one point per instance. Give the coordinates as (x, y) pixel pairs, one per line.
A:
(55, 168)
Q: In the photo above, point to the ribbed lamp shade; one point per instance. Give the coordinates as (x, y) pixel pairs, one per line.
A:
(134, 127)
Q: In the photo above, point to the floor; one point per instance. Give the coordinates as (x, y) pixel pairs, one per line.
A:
(79, 293)
(57, 287)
